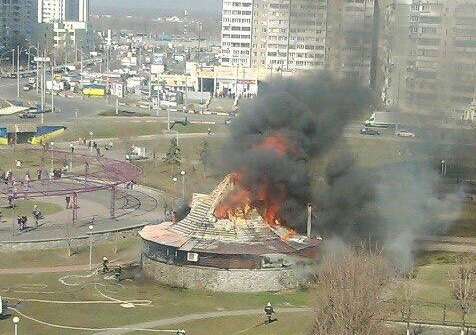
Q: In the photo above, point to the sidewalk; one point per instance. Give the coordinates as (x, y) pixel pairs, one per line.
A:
(133, 209)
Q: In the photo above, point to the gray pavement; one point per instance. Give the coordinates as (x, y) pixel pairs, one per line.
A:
(133, 208)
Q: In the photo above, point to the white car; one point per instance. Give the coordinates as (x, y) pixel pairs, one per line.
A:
(404, 133)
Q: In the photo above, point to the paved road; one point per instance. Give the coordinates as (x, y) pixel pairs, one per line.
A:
(88, 107)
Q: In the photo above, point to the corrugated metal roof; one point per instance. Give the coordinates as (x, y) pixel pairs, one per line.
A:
(201, 231)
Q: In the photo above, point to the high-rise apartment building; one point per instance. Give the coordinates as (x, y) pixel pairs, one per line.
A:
(287, 35)
(50, 11)
(429, 55)
(236, 32)
(351, 39)
(17, 22)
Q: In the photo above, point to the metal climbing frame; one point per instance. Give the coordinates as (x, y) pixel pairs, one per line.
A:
(90, 174)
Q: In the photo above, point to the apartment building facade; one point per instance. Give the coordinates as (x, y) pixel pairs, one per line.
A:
(50, 11)
(290, 35)
(17, 22)
(429, 55)
(236, 32)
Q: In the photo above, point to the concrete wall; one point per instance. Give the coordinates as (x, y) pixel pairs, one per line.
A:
(226, 280)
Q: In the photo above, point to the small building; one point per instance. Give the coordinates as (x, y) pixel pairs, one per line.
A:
(239, 253)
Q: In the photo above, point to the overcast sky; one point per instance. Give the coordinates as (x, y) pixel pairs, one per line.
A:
(213, 5)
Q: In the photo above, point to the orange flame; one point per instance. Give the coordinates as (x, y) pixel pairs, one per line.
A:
(267, 203)
(277, 143)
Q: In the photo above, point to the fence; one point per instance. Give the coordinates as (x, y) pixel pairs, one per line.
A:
(447, 314)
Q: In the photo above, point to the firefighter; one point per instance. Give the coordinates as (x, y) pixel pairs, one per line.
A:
(117, 273)
(105, 268)
(269, 310)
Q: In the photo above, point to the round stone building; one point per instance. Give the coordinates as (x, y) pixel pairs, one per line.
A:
(239, 253)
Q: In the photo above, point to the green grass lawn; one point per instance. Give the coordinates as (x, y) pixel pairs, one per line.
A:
(166, 302)
(31, 160)
(431, 286)
(125, 128)
(25, 207)
(286, 324)
(122, 248)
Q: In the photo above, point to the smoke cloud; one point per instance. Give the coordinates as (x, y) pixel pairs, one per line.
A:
(290, 143)
(306, 117)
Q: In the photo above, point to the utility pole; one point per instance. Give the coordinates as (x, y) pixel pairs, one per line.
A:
(29, 58)
(38, 69)
(43, 84)
(200, 66)
(52, 82)
(150, 92)
(13, 61)
(81, 75)
(18, 71)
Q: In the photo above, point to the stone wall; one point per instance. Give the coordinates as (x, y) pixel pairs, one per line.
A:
(219, 280)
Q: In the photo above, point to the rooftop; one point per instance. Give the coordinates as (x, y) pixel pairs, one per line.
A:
(200, 230)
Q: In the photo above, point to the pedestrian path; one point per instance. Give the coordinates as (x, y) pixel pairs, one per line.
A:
(134, 208)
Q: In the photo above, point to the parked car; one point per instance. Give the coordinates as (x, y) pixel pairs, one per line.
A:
(27, 115)
(404, 133)
(27, 87)
(369, 131)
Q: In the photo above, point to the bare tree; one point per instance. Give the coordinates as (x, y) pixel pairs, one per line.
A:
(350, 295)
(408, 302)
(462, 280)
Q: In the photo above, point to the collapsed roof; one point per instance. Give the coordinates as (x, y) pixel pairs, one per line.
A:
(201, 231)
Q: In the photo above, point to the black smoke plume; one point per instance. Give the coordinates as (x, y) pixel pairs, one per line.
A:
(391, 206)
(309, 114)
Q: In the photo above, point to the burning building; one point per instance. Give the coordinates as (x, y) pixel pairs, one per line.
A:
(232, 240)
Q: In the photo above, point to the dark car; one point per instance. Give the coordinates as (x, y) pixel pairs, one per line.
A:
(369, 131)
(27, 115)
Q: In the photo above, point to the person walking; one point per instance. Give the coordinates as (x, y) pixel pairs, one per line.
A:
(269, 311)
(105, 267)
(67, 200)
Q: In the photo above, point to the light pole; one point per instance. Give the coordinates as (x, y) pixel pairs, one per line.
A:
(52, 156)
(71, 147)
(52, 82)
(13, 215)
(182, 173)
(18, 71)
(16, 319)
(443, 168)
(168, 119)
(200, 66)
(91, 140)
(91, 227)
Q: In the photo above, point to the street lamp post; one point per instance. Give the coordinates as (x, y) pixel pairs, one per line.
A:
(13, 215)
(182, 173)
(52, 156)
(52, 82)
(91, 140)
(18, 71)
(16, 320)
(168, 119)
(71, 147)
(91, 227)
